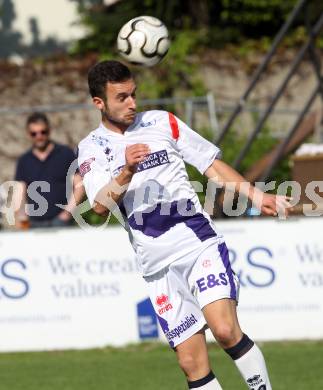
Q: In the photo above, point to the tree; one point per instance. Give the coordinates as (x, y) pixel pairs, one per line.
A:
(218, 21)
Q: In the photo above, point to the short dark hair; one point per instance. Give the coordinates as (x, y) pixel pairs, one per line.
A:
(106, 71)
(37, 117)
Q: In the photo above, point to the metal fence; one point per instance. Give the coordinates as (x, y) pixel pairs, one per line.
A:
(192, 105)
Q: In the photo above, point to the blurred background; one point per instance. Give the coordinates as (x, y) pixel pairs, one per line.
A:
(221, 56)
(247, 75)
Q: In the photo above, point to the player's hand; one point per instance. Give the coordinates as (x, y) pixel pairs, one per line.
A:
(135, 154)
(273, 205)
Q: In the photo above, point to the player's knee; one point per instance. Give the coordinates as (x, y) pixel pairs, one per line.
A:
(226, 335)
(189, 363)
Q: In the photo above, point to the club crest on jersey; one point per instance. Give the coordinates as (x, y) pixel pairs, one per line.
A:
(107, 152)
(85, 167)
(147, 124)
(163, 304)
(207, 263)
(153, 160)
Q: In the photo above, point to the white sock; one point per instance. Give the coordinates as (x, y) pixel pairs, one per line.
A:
(252, 367)
(207, 383)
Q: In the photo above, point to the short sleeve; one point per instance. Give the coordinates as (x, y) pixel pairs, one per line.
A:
(20, 174)
(195, 149)
(93, 168)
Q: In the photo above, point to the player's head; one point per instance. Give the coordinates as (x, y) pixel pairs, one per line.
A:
(113, 91)
(38, 128)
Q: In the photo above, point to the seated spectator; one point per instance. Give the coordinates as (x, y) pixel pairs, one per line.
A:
(42, 172)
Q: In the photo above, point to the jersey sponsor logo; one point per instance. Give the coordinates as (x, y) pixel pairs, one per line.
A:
(85, 167)
(154, 160)
(151, 161)
(147, 124)
(163, 303)
(185, 324)
(211, 281)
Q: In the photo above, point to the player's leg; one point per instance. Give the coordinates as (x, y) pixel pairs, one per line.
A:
(216, 288)
(182, 321)
(193, 359)
(221, 317)
(222, 320)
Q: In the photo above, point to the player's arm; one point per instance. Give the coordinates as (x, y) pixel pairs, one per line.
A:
(75, 198)
(204, 156)
(111, 194)
(268, 204)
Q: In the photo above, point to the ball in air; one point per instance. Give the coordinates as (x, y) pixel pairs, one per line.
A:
(143, 41)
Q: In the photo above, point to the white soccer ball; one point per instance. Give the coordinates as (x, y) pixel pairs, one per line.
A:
(143, 41)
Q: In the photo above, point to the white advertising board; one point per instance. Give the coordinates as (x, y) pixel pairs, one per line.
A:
(280, 267)
(75, 288)
(68, 289)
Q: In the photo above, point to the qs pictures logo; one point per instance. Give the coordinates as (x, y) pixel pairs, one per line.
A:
(13, 282)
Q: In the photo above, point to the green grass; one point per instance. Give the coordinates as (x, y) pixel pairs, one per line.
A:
(297, 366)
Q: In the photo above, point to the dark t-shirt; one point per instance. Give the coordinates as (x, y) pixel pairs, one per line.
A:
(52, 173)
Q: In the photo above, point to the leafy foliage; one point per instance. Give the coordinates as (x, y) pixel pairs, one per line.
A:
(175, 76)
(217, 22)
(263, 144)
(231, 147)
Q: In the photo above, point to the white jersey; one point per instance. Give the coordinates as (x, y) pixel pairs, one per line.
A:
(164, 217)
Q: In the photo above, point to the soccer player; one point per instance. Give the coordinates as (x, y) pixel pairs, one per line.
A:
(135, 161)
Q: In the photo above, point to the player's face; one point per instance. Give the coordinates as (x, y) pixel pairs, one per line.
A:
(39, 134)
(120, 104)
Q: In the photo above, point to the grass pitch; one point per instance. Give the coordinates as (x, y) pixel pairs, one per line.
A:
(297, 366)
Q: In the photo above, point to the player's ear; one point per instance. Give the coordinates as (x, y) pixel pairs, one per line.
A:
(98, 102)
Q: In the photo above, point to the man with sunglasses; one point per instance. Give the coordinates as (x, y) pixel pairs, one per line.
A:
(42, 176)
